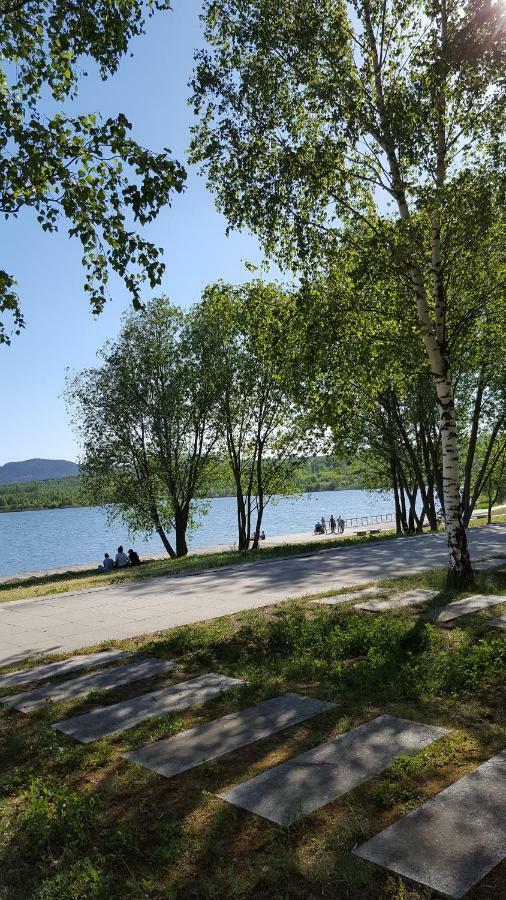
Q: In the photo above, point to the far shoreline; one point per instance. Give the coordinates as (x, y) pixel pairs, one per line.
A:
(318, 490)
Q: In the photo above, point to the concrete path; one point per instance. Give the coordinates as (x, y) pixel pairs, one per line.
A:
(106, 720)
(65, 622)
(191, 748)
(307, 782)
(106, 680)
(453, 840)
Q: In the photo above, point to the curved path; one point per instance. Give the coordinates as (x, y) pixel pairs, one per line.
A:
(64, 622)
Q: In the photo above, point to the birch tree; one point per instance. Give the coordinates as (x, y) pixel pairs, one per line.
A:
(318, 114)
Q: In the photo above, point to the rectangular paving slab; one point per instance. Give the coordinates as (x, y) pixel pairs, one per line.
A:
(95, 681)
(398, 601)
(352, 595)
(40, 673)
(193, 747)
(120, 716)
(466, 606)
(301, 785)
(499, 622)
(454, 839)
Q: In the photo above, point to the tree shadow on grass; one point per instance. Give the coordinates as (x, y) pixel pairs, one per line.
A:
(148, 836)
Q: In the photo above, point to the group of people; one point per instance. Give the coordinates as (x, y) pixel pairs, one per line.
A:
(336, 526)
(121, 560)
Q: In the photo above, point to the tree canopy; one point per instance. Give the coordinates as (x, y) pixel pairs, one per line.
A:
(319, 117)
(83, 169)
(146, 418)
(265, 432)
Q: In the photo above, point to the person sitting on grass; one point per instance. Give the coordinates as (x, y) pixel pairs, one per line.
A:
(121, 559)
(107, 564)
(134, 558)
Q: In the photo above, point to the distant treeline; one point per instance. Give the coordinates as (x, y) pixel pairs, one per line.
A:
(322, 473)
(51, 494)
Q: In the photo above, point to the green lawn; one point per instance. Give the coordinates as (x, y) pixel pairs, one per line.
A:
(79, 822)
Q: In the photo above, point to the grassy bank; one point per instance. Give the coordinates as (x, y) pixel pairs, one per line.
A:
(80, 823)
(28, 587)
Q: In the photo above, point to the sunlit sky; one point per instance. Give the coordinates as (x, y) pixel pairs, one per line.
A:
(151, 89)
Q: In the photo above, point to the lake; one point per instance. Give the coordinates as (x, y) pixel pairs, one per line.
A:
(49, 538)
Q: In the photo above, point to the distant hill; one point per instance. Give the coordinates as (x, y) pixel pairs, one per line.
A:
(37, 470)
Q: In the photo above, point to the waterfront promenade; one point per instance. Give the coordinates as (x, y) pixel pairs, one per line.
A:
(64, 622)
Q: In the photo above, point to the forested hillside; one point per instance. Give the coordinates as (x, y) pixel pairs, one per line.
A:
(322, 473)
(36, 470)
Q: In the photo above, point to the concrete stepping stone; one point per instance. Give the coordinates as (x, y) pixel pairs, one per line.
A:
(466, 606)
(499, 622)
(454, 839)
(191, 748)
(301, 785)
(352, 595)
(95, 681)
(40, 673)
(120, 716)
(415, 597)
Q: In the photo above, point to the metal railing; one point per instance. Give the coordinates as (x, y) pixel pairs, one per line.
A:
(368, 520)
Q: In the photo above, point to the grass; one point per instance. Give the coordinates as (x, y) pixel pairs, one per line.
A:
(80, 822)
(23, 588)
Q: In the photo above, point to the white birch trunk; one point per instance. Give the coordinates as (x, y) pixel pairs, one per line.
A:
(434, 332)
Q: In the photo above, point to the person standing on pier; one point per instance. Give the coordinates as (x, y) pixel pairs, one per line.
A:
(324, 524)
(332, 523)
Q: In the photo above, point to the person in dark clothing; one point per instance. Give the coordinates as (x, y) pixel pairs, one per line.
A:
(332, 523)
(134, 558)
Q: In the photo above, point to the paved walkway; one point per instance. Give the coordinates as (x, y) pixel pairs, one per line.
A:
(64, 622)
(280, 540)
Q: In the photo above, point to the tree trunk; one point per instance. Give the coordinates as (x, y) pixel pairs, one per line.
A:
(181, 523)
(460, 571)
(404, 521)
(259, 498)
(434, 331)
(242, 522)
(395, 486)
(161, 533)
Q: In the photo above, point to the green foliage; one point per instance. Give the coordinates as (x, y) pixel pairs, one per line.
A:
(265, 432)
(82, 880)
(55, 819)
(365, 137)
(405, 778)
(147, 421)
(84, 169)
(50, 494)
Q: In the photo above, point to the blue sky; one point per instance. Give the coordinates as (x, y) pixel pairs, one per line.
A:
(151, 89)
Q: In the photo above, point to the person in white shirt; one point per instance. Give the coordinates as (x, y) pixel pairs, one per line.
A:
(121, 558)
(107, 564)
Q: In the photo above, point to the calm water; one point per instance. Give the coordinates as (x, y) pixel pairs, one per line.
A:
(50, 538)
